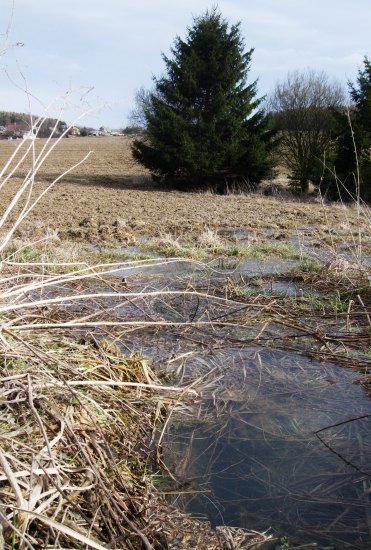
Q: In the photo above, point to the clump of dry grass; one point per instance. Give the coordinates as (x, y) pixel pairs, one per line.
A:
(77, 414)
(71, 472)
(210, 239)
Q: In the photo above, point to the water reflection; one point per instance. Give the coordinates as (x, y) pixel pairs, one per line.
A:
(252, 452)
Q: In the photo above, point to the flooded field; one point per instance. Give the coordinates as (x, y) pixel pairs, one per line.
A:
(228, 338)
(275, 439)
(284, 443)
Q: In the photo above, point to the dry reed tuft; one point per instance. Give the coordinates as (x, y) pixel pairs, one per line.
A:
(78, 414)
(71, 474)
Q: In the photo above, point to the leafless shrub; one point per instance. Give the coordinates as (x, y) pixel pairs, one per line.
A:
(302, 111)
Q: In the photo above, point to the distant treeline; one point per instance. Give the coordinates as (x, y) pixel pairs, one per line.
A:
(14, 124)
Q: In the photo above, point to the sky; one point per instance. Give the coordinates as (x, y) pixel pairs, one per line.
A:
(87, 58)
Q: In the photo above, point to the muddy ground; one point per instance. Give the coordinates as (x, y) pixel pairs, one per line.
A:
(111, 198)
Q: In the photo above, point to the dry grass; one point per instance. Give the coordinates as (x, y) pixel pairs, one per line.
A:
(78, 415)
(108, 199)
(79, 410)
(60, 446)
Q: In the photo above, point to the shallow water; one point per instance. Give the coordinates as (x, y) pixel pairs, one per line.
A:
(253, 451)
(162, 266)
(216, 269)
(308, 241)
(246, 452)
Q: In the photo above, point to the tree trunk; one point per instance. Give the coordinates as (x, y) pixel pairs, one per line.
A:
(305, 185)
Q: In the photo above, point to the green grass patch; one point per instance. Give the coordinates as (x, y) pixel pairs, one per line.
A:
(205, 250)
(129, 256)
(24, 254)
(309, 265)
(169, 250)
(280, 250)
(247, 291)
(326, 302)
(236, 250)
(197, 250)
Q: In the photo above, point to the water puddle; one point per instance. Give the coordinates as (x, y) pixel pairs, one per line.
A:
(283, 441)
(252, 267)
(239, 234)
(218, 269)
(307, 241)
(162, 266)
(285, 288)
(275, 439)
(312, 245)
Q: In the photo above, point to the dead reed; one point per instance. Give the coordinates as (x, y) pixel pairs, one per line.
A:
(81, 409)
(78, 406)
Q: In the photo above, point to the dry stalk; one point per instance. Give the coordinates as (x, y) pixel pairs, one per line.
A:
(77, 412)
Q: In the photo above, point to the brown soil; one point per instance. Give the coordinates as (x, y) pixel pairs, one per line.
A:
(111, 198)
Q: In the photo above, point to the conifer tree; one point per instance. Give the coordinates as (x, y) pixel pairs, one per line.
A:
(203, 122)
(353, 155)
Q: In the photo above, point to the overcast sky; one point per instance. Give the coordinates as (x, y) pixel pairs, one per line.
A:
(112, 47)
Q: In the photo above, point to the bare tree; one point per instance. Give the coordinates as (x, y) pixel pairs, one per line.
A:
(142, 102)
(302, 107)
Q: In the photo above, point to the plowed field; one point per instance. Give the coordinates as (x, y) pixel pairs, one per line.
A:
(111, 198)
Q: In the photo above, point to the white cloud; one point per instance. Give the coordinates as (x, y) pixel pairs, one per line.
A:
(116, 45)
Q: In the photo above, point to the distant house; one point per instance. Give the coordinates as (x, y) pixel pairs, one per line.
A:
(101, 132)
(11, 130)
(74, 131)
(31, 134)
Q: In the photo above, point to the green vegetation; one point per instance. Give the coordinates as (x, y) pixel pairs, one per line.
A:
(280, 250)
(210, 246)
(25, 254)
(169, 250)
(326, 302)
(56, 251)
(309, 264)
(117, 254)
(204, 125)
(206, 246)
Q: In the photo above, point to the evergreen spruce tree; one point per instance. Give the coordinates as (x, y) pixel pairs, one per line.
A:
(353, 155)
(203, 122)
